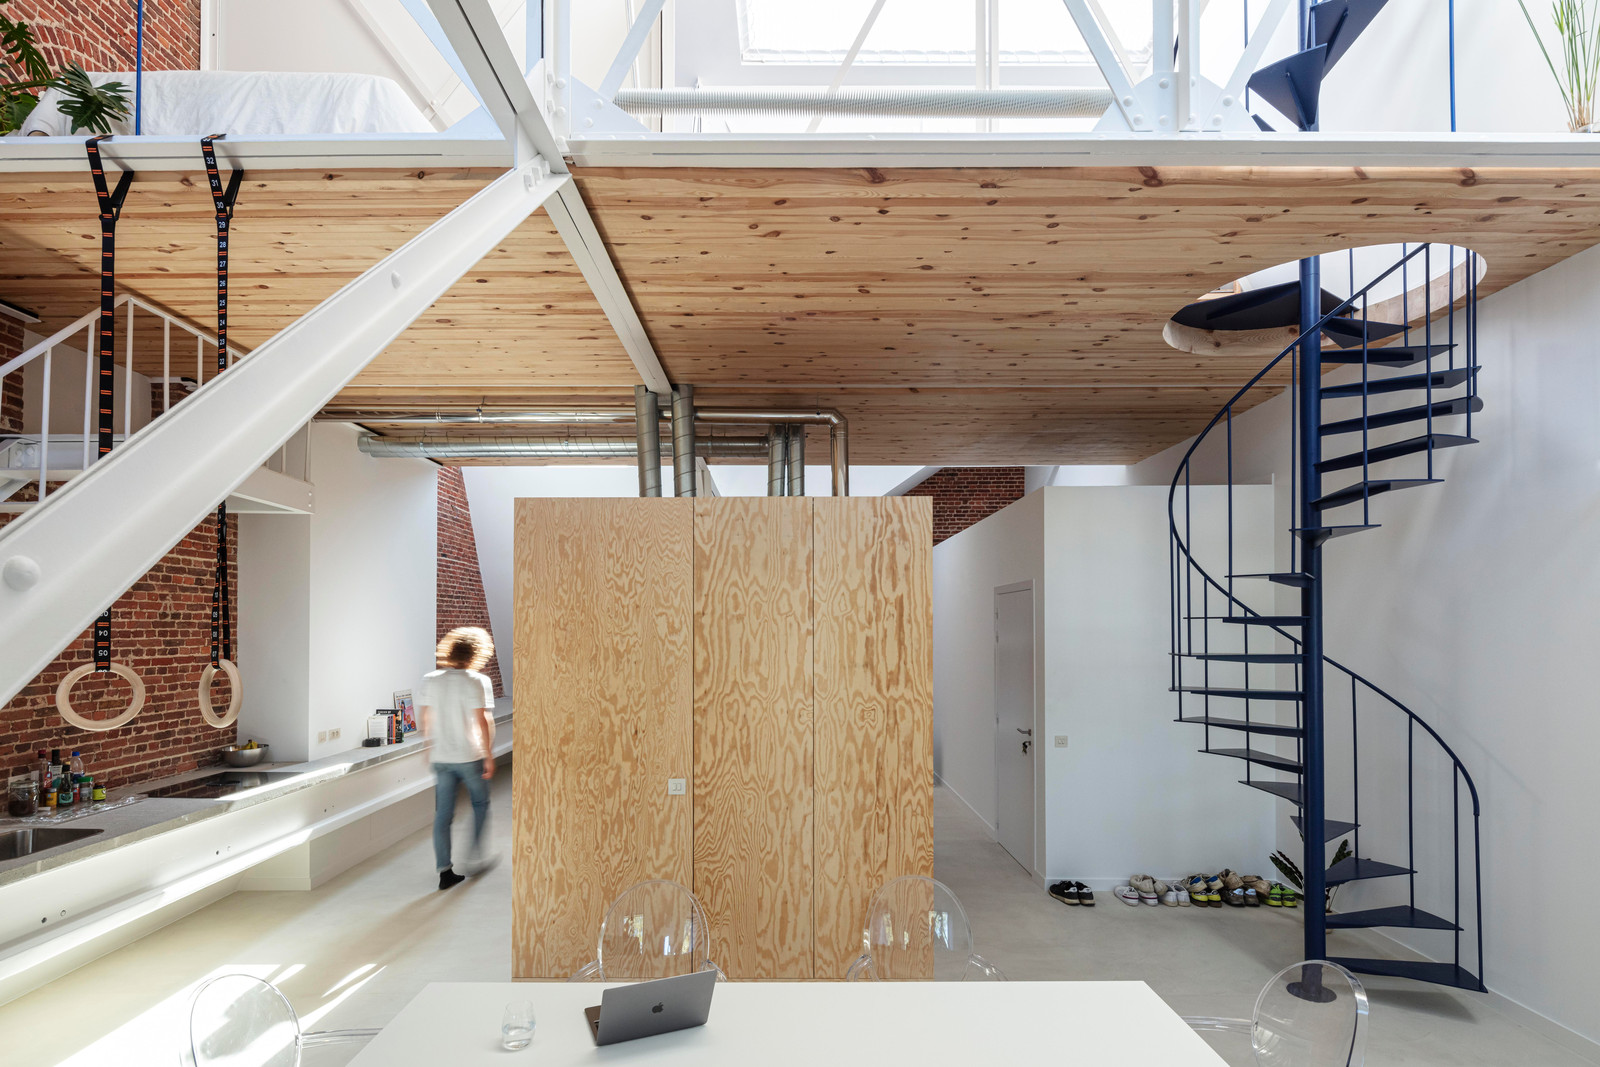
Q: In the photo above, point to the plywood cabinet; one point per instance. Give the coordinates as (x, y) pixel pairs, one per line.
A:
(774, 652)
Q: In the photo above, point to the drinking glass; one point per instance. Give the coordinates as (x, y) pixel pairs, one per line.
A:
(516, 1025)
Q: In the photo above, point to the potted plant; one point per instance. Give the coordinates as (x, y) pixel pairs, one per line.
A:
(1575, 24)
(24, 74)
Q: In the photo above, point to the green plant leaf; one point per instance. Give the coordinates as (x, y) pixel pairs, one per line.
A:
(20, 51)
(89, 106)
(1288, 868)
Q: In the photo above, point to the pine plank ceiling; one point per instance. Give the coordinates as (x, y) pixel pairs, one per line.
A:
(978, 315)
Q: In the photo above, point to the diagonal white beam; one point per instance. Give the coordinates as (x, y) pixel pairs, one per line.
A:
(638, 33)
(1118, 77)
(484, 52)
(66, 560)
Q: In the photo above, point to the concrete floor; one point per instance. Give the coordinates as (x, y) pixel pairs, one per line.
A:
(354, 951)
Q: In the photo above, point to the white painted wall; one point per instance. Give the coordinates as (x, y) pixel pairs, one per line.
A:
(1474, 605)
(1112, 799)
(337, 608)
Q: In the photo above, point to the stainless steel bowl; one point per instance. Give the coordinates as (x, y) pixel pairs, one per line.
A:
(236, 756)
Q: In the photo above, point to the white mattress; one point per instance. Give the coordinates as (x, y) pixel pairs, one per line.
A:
(243, 103)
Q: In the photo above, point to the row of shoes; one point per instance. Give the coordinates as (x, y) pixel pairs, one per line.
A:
(1207, 891)
(1072, 893)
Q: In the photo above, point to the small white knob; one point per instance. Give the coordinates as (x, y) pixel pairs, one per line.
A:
(394, 279)
(21, 573)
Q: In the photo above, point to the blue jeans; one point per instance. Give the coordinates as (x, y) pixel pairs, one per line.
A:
(446, 777)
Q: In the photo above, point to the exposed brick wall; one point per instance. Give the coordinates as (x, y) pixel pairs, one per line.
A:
(162, 629)
(964, 495)
(11, 386)
(460, 583)
(99, 34)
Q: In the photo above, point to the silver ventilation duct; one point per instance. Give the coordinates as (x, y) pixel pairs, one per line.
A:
(622, 448)
(932, 102)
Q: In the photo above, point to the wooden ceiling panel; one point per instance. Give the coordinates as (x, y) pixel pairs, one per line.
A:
(523, 314)
(1031, 277)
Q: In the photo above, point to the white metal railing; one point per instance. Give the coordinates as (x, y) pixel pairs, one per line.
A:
(44, 351)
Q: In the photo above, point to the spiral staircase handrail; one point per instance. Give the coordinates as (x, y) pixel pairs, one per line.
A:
(1177, 537)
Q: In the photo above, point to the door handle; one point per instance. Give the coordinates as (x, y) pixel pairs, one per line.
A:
(1020, 730)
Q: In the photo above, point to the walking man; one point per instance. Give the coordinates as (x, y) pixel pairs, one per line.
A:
(456, 703)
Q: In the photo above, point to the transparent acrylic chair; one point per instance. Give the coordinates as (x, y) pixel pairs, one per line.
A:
(238, 1020)
(1310, 1014)
(917, 929)
(655, 929)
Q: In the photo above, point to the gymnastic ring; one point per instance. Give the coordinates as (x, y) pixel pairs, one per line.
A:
(235, 694)
(64, 706)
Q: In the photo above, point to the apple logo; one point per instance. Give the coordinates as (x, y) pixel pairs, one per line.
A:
(658, 1009)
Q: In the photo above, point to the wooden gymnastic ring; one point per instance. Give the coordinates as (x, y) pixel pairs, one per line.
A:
(64, 706)
(235, 694)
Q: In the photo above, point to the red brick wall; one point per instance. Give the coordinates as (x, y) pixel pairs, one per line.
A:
(460, 583)
(99, 34)
(964, 495)
(161, 628)
(11, 386)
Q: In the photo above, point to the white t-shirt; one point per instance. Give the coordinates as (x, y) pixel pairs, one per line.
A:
(453, 698)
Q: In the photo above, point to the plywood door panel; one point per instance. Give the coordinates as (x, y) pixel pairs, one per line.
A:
(873, 707)
(603, 715)
(752, 733)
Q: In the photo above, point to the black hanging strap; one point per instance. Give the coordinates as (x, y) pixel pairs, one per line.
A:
(222, 199)
(110, 212)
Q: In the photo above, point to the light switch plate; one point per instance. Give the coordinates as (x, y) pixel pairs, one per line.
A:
(677, 787)
(322, 737)
(333, 735)
(1061, 740)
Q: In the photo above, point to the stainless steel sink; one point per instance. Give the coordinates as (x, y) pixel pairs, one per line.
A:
(25, 842)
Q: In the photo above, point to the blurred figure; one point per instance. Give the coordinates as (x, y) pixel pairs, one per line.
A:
(456, 703)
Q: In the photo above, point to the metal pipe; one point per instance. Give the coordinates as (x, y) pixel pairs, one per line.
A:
(870, 100)
(838, 440)
(622, 448)
(683, 472)
(572, 417)
(777, 460)
(647, 440)
(797, 460)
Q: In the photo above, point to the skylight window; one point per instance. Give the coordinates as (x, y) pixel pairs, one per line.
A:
(926, 32)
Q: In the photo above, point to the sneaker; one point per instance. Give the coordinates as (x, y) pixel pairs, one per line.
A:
(1085, 894)
(1197, 890)
(1213, 892)
(1065, 892)
(1127, 894)
(1291, 899)
(1181, 893)
(1252, 899)
(1169, 896)
(1146, 888)
(1275, 896)
(450, 879)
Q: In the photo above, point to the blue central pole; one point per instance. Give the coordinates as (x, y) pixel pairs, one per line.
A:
(138, 69)
(1309, 372)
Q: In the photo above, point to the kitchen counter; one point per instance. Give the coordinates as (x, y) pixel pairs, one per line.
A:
(129, 823)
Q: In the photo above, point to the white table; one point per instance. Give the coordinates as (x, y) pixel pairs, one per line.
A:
(960, 1024)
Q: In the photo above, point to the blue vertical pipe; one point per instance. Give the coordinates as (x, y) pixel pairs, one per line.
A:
(1309, 356)
(1312, 813)
(138, 69)
(1452, 15)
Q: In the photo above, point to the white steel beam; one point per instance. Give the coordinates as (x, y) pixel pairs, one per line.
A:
(485, 54)
(638, 33)
(849, 58)
(1232, 94)
(63, 562)
(1119, 78)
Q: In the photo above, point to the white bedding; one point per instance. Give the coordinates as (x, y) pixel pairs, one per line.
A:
(244, 103)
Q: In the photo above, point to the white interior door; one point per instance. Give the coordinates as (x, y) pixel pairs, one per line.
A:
(1014, 742)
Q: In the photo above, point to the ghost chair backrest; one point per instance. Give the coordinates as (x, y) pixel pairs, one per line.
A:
(915, 929)
(1310, 1014)
(239, 1020)
(655, 929)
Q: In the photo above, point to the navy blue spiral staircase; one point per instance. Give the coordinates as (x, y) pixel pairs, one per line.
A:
(1247, 661)
(1293, 84)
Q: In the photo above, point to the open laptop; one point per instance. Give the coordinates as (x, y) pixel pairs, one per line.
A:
(647, 1008)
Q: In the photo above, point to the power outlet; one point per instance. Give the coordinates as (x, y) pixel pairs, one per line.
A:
(677, 787)
(333, 734)
(322, 737)
(1061, 740)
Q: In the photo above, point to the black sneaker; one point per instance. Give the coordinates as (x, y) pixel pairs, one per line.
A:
(450, 879)
(1066, 892)
(1085, 894)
